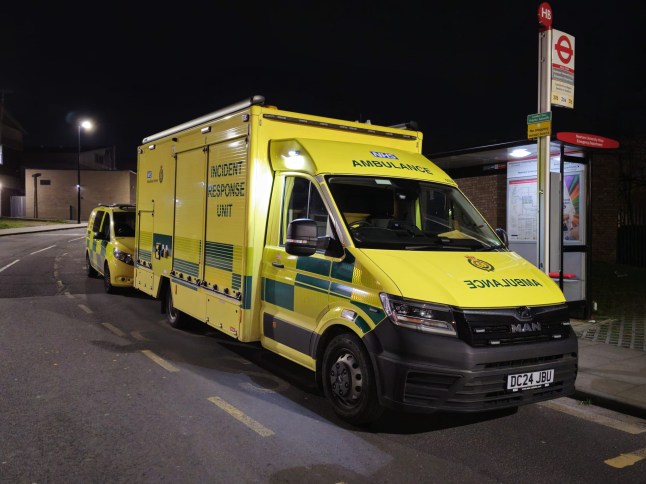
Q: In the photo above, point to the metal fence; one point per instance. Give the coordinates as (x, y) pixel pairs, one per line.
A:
(631, 237)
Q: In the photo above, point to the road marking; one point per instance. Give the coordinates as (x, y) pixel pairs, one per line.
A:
(239, 415)
(41, 250)
(85, 308)
(602, 416)
(73, 240)
(254, 388)
(625, 460)
(160, 361)
(138, 336)
(114, 329)
(9, 265)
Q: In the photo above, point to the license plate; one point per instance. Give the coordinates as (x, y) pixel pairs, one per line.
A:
(527, 381)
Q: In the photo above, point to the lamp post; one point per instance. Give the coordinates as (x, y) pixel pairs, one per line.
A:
(87, 125)
(36, 175)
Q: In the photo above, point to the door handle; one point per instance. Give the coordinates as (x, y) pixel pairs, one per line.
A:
(278, 264)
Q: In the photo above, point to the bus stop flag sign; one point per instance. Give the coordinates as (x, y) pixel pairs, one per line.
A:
(562, 69)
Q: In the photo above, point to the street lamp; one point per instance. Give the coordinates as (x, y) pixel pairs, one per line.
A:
(36, 175)
(87, 125)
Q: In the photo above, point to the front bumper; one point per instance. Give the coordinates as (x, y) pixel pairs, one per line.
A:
(121, 274)
(420, 372)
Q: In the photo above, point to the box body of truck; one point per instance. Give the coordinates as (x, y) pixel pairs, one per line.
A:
(339, 246)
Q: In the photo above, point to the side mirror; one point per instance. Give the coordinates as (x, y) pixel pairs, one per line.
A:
(301, 237)
(502, 235)
(98, 236)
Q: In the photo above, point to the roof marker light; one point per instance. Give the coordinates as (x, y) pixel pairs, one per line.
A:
(519, 153)
(294, 160)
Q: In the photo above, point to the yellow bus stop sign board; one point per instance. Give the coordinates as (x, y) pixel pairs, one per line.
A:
(536, 130)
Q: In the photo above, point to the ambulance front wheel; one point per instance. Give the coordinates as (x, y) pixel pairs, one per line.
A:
(175, 316)
(349, 381)
(107, 282)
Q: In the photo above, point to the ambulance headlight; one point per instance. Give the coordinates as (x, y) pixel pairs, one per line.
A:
(420, 316)
(122, 256)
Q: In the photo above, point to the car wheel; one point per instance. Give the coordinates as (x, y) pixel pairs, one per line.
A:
(175, 317)
(348, 380)
(91, 271)
(107, 283)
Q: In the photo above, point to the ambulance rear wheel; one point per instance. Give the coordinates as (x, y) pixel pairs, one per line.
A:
(175, 317)
(91, 271)
(348, 380)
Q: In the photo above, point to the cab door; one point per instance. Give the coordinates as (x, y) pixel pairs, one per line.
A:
(295, 290)
(104, 240)
(94, 245)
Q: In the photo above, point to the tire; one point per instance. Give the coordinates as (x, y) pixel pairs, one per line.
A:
(348, 380)
(175, 317)
(107, 284)
(91, 271)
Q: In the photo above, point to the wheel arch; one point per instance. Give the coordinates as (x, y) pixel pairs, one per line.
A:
(339, 326)
(162, 292)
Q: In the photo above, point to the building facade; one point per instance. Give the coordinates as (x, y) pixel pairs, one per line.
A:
(52, 194)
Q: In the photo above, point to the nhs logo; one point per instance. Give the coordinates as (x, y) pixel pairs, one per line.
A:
(149, 174)
(380, 154)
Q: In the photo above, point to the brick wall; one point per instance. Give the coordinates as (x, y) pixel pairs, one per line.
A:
(489, 195)
(58, 194)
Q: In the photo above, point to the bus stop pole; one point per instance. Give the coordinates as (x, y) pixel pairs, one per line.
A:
(543, 149)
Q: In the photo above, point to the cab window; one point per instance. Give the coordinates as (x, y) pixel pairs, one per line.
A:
(98, 218)
(105, 229)
(303, 200)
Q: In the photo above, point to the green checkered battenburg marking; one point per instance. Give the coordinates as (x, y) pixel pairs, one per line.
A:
(282, 294)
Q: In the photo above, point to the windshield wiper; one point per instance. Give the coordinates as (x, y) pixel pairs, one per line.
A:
(437, 246)
(455, 244)
(439, 243)
(493, 247)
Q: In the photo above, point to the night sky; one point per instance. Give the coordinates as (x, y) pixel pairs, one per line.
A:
(465, 71)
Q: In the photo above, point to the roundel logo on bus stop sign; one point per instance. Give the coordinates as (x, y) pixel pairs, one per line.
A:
(564, 49)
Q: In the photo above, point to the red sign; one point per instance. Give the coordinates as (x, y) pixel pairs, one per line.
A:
(564, 50)
(545, 15)
(589, 140)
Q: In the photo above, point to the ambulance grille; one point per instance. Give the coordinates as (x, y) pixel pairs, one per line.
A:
(513, 326)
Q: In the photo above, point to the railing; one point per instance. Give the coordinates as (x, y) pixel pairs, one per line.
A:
(631, 237)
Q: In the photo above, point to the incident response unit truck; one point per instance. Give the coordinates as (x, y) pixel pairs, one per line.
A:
(339, 246)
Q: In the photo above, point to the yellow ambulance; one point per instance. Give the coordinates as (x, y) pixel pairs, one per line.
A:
(339, 246)
(110, 244)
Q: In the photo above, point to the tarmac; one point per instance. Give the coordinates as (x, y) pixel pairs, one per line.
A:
(612, 353)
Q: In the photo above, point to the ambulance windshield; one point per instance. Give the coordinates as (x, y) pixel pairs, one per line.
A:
(403, 214)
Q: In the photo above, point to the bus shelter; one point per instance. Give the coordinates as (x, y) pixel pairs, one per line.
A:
(507, 173)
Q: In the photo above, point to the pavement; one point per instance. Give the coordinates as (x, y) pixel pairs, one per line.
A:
(612, 353)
